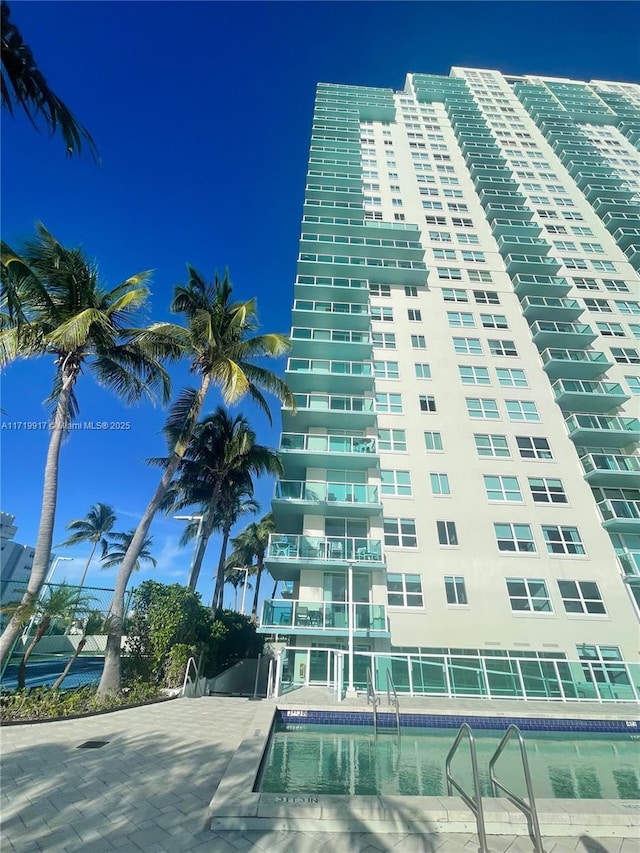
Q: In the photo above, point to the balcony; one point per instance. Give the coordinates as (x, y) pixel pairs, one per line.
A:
(588, 178)
(319, 374)
(333, 192)
(331, 343)
(507, 211)
(345, 412)
(507, 194)
(485, 158)
(515, 228)
(546, 333)
(316, 497)
(339, 315)
(383, 270)
(328, 618)
(368, 245)
(632, 254)
(602, 430)
(533, 264)
(486, 179)
(626, 237)
(630, 562)
(329, 451)
(599, 194)
(288, 554)
(620, 219)
(620, 516)
(551, 307)
(616, 205)
(574, 364)
(610, 469)
(526, 244)
(577, 395)
(577, 165)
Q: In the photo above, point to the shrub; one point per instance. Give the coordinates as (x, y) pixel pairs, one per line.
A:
(176, 664)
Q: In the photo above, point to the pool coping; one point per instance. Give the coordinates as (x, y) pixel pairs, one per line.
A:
(235, 805)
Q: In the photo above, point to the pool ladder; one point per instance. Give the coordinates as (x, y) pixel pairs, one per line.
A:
(475, 802)
(374, 699)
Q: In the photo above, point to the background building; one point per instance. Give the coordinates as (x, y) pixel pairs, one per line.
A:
(461, 480)
(15, 560)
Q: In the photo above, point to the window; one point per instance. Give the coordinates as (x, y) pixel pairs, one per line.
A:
(423, 371)
(528, 595)
(625, 355)
(533, 447)
(410, 290)
(404, 590)
(603, 266)
(634, 384)
(414, 315)
(474, 257)
(439, 484)
(627, 307)
(486, 297)
(501, 347)
(586, 283)
(516, 538)
(444, 254)
(449, 273)
(418, 342)
(511, 377)
(447, 534)
(479, 275)
(452, 294)
(562, 540)
(494, 321)
(592, 248)
(392, 440)
(389, 403)
(581, 597)
(440, 236)
(478, 407)
(467, 346)
(575, 263)
(522, 410)
(386, 370)
(470, 375)
(383, 340)
(384, 314)
(460, 318)
(547, 490)
(502, 489)
(601, 306)
(400, 533)
(427, 403)
(455, 590)
(491, 445)
(433, 441)
(380, 290)
(398, 217)
(396, 483)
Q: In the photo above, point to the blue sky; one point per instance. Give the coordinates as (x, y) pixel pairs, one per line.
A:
(202, 114)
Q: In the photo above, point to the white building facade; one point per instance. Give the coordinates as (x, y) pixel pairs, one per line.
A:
(461, 497)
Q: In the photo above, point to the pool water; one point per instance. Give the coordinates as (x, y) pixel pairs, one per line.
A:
(317, 759)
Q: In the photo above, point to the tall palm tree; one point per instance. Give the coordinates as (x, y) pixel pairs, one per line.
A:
(93, 528)
(232, 506)
(53, 303)
(23, 84)
(221, 343)
(249, 545)
(236, 578)
(118, 546)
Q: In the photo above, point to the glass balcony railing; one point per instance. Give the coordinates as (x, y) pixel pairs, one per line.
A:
(333, 368)
(630, 561)
(545, 332)
(328, 443)
(588, 396)
(323, 616)
(521, 263)
(610, 469)
(620, 515)
(603, 430)
(316, 491)
(551, 307)
(324, 548)
(574, 363)
(323, 307)
(526, 284)
(334, 403)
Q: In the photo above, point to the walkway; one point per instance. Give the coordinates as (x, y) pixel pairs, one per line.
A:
(148, 790)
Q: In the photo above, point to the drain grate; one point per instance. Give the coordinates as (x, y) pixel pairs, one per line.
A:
(92, 744)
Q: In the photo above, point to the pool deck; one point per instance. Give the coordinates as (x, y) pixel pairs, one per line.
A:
(150, 787)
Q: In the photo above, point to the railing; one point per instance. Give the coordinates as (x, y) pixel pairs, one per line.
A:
(323, 616)
(333, 281)
(325, 548)
(553, 326)
(372, 699)
(529, 808)
(581, 386)
(359, 308)
(334, 403)
(328, 443)
(330, 367)
(586, 421)
(610, 462)
(191, 687)
(318, 490)
(475, 802)
(331, 336)
(612, 509)
(392, 698)
(592, 356)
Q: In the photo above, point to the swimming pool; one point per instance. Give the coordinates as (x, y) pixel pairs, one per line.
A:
(311, 758)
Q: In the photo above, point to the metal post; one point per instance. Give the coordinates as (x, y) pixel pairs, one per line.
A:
(244, 590)
(350, 615)
(276, 689)
(255, 697)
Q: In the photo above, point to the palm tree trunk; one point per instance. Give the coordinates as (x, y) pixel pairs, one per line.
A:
(218, 593)
(275, 590)
(42, 556)
(86, 568)
(110, 680)
(207, 530)
(254, 608)
(58, 682)
(41, 630)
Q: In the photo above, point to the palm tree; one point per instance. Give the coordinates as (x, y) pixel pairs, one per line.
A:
(233, 504)
(249, 545)
(62, 602)
(118, 547)
(93, 528)
(23, 84)
(53, 303)
(221, 342)
(236, 578)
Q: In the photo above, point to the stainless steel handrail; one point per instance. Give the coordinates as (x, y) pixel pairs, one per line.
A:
(475, 802)
(529, 808)
(393, 702)
(374, 699)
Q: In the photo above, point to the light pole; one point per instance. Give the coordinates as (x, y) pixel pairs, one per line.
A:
(200, 519)
(350, 614)
(244, 589)
(46, 584)
(52, 570)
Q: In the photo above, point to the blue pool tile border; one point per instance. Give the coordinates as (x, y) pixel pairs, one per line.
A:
(296, 718)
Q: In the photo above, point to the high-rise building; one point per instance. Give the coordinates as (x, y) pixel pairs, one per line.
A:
(16, 560)
(462, 484)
